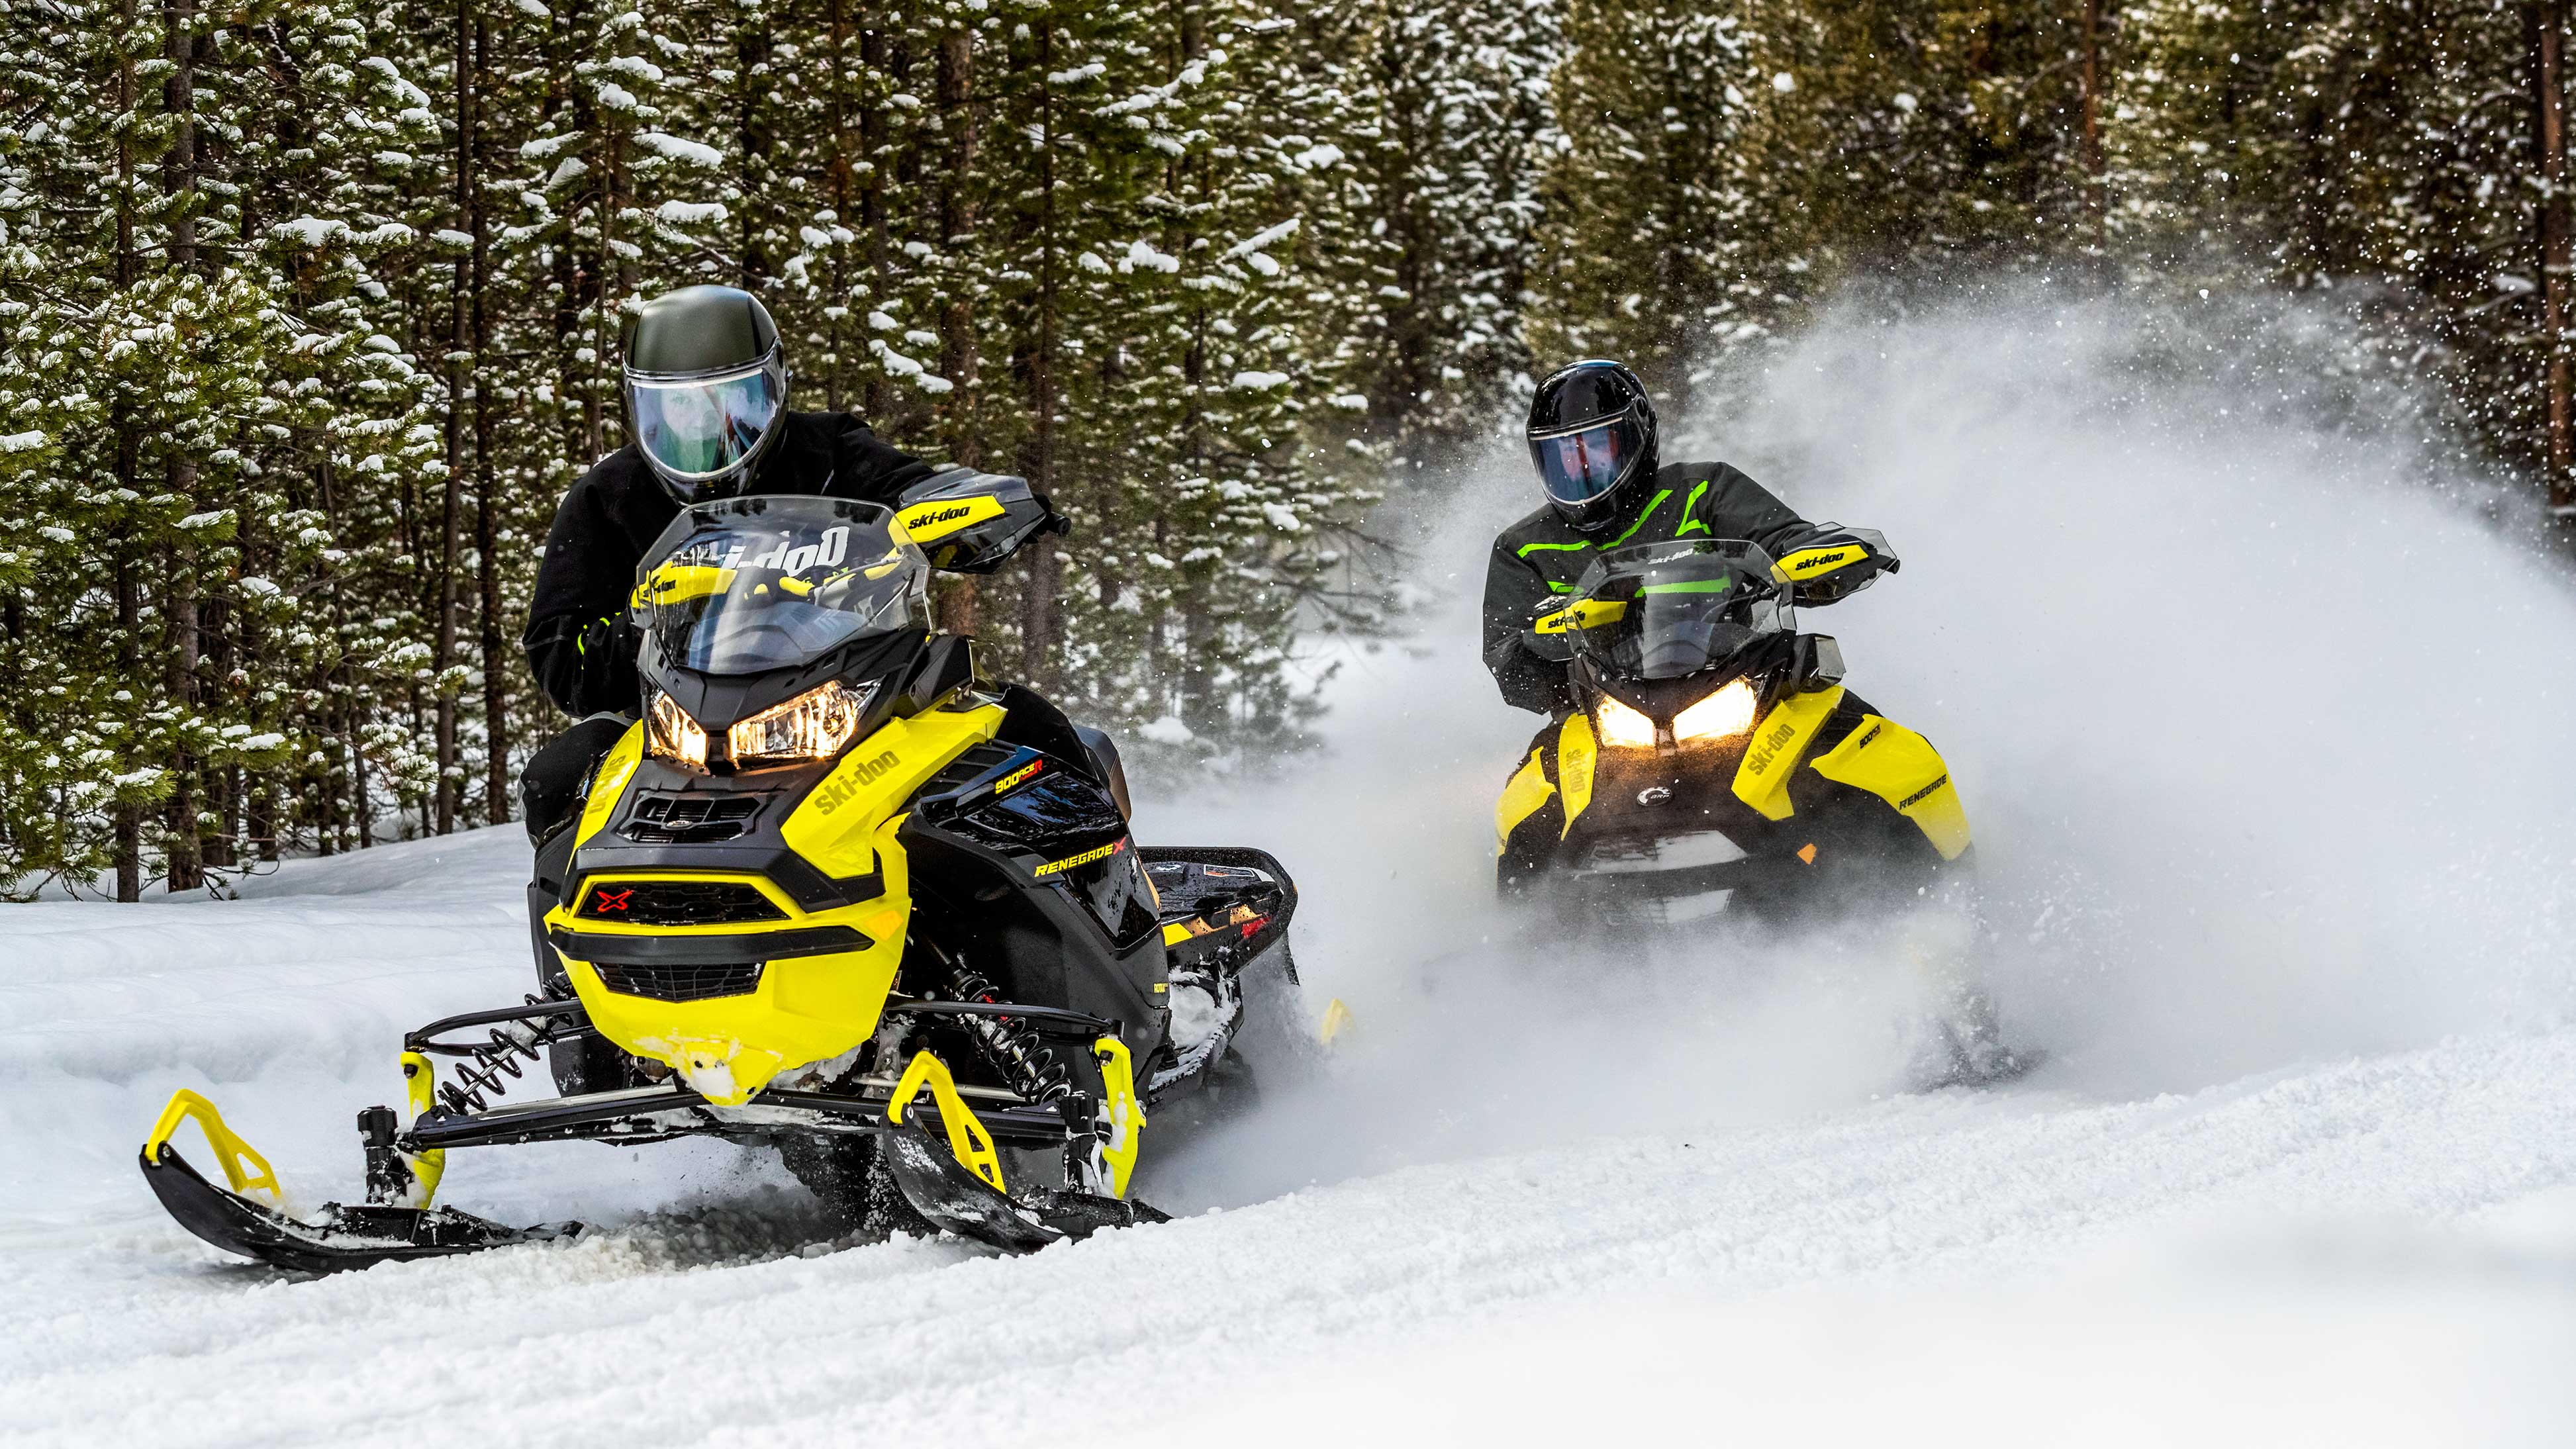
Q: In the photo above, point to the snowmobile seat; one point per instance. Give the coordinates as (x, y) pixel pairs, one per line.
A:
(551, 788)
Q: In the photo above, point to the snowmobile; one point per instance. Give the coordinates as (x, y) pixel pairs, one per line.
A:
(834, 890)
(1713, 760)
(1715, 764)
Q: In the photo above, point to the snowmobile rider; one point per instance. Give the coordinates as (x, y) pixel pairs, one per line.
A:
(706, 381)
(706, 397)
(1593, 438)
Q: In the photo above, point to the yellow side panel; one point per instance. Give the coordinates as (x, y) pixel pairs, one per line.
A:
(1528, 790)
(609, 784)
(1762, 781)
(930, 522)
(835, 825)
(1575, 752)
(1901, 767)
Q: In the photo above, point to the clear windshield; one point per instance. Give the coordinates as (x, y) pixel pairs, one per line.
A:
(1662, 611)
(760, 583)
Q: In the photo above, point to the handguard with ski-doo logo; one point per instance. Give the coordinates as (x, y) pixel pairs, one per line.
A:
(832, 890)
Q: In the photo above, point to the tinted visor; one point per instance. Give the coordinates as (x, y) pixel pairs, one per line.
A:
(705, 427)
(1582, 465)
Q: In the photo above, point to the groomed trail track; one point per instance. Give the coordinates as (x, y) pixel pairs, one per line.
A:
(715, 1309)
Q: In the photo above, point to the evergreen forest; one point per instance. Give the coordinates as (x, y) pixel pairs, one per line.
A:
(309, 308)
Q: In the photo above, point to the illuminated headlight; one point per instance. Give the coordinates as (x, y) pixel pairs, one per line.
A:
(672, 735)
(809, 727)
(1622, 726)
(1725, 713)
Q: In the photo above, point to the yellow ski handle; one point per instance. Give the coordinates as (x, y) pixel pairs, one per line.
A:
(967, 1137)
(235, 1156)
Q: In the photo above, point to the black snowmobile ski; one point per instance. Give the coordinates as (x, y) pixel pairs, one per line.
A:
(958, 1201)
(345, 1237)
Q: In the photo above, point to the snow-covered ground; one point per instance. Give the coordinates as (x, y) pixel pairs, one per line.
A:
(2263, 746)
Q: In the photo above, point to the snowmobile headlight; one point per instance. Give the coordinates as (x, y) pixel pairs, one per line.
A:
(671, 734)
(1622, 726)
(1726, 713)
(809, 727)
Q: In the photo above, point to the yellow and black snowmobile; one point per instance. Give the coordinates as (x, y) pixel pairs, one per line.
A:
(1713, 760)
(835, 891)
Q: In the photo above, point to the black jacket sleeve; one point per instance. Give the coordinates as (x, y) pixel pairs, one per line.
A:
(579, 644)
(1738, 507)
(1512, 593)
(867, 467)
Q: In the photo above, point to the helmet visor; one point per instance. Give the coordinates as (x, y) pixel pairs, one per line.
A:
(1584, 464)
(698, 428)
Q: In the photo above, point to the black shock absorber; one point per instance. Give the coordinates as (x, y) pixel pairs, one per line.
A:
(479, 1076)
(1026, 1062)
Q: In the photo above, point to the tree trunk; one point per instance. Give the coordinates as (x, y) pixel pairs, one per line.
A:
(128, 848)
(958, 603)
(873, 54)
(2549, 110)
(460, 384)
(2095, 211)
(179, 181)
(1040, 621)
(487, 526)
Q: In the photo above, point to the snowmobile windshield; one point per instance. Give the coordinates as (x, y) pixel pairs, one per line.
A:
(1666, 610)
(753, 584)
(1589, 461)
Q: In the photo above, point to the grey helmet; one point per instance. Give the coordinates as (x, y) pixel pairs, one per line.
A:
(706, 379)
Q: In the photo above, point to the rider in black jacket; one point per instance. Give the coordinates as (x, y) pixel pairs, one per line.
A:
(705, 379)
(706, 388)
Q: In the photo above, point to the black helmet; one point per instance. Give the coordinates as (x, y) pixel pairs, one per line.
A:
(1591, 433)
(705, 380)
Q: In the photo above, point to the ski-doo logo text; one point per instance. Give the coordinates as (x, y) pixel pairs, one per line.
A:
(1810, 565)
(946, 515)
(1760, 760)
(839, 791)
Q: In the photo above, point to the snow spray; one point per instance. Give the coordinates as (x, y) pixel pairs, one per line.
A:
(2250, 685)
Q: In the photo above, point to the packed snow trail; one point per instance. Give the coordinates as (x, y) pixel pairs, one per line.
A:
(2261, 738)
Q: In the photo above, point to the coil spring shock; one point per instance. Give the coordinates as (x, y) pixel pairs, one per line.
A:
(1026, 1062)
(479, 1076)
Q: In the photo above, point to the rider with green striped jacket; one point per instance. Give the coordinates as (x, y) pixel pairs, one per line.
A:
(1592, 436)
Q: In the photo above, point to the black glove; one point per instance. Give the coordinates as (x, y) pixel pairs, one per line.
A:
(1827, 561)
(585, 668)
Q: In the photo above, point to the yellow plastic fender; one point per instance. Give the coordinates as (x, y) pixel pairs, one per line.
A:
(419, 1090)
(1901, 767)
(244, 1168)
(1520, 800)
(1575, 753)
(1762, 780)
(967, 1136)
(1126, 1114)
